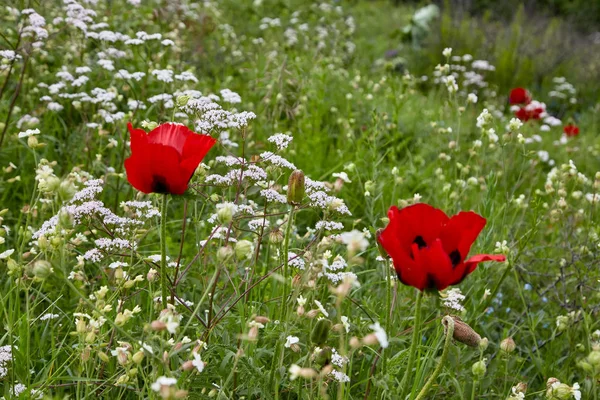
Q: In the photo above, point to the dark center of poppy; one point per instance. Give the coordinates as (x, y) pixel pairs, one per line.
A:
(420, 242)
(159, 184)
(455, 258)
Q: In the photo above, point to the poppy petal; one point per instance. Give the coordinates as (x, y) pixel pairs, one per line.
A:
(435, 266)
(459, 233)
(138, 173)
(194, 150)
(167, 176)
(170, 134)
(419, 223)
(139, 138)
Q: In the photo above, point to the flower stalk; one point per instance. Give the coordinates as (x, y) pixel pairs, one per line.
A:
(163, 250)
(449, 323)
(415, 339)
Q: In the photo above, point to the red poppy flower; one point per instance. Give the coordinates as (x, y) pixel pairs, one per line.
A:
(164, 160)
(429, 248)
(527, 113)
(571, 130)
(519, 96)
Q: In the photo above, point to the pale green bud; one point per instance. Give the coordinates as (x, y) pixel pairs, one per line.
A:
(243, 249)
(479, 369)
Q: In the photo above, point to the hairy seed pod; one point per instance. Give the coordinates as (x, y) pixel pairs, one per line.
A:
(295, 192)
(464, 333)
(320, 332)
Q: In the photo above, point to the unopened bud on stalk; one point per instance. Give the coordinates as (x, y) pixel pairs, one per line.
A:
(225, 253)
(261, 320)
(152, 275)
(187, 366)
(138, 357)
(321, 331)
(158, 325)
(370, 340)
(182, 100)
(479, 369)
(508, 345)
(276, 236)
(42, 269)
(463, 332)
(354, 342)
(243, 249)
(313, 313)
(521, 387)
(295, 192)
(103, 356)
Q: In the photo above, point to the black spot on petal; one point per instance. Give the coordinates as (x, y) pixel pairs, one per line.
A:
(455, 258)
(420, 242)
(159, 184)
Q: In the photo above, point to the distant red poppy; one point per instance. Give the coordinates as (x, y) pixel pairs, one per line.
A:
(527, 113)
(429, 249)
(571, 130)
(519, 96)
(164, 160)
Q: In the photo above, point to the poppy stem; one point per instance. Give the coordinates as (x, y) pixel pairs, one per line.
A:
(415, 341)
(286, 244)
(449, 322)
(163, 250)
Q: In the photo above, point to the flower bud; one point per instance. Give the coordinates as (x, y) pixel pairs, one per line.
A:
(138, 357)
(243, 249)
(479, 369)
(225, 253)
(158, 325)
(103, 356)
(182, 100)
(276, 236)
(32, 142)
(463, 332)
(81, 326)
(150, 125)
(42, 269)
(354, 342)
(262, 320)
(521, 387)
(483, 344)
(295, 192)
(90, 337)
(508, 345)
(187, 366)
(225, 213)
(123, 379)
(152, 275)
(122, 357)
(312, 313)
(558, 390)
(594, 358)
(320, 331)
(562, 323)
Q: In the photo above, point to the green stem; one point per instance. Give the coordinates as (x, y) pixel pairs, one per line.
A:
(163, 250)
(414, 342)
(286, 244)
(449, 322)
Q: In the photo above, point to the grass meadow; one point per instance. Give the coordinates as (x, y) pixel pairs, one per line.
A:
(255, 258)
